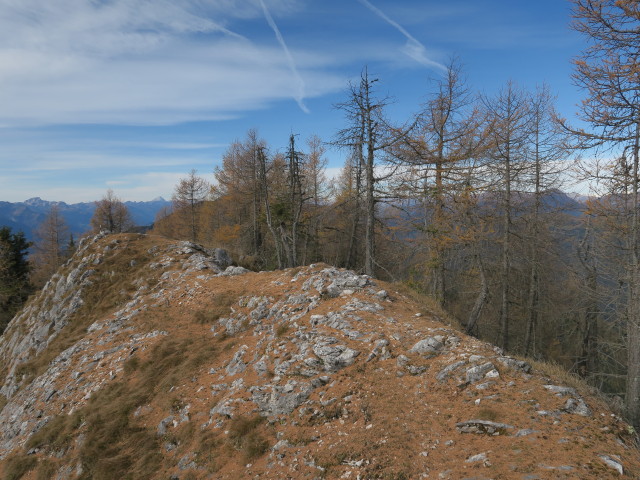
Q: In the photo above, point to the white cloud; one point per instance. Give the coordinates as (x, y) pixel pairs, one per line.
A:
(79, 161)
(141, 62)
(128, 187)
(333, 173)
(148, 185)
(203, 84)
(170, 145)
(145, 186)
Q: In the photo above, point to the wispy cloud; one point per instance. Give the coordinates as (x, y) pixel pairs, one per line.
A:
(169, 145)
(144, 63)
(83, 161)
(136, 187)
(147, 185)
(75, 180)
(413, 48)
(299, 97)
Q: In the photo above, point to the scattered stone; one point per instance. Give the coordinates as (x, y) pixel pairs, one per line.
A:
(452, 341)
(448, 370)
(223, 408)
(416, 370)
(231, 325)
(281, 400)
(477, 373)
(402, 361)
(427, 346)
(480, 457)
(513, 363)
(612, 463)
(380, 350)
(382, 295)
(260, 366)
(49, 394)
(142, 410)
(485, 385)
(221, 257)
(280, 445)
(562, 468)
(577, 407)
(188, 462)
(335, 357)
(236, 365)
(260, 312)
(483, 427)
(233, 271)
(162, 426)
(560, 390)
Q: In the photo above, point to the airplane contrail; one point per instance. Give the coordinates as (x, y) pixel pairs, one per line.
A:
(413, 48)
(299, 97)
(228, 32)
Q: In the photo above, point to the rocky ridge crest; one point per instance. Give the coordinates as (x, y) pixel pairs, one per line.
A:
(144, 358)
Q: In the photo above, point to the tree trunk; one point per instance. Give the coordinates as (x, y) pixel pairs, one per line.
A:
(355, 219)
(587, 363)
(255, 207)
(369, 255)
(297, 200)
(506, 255)
(632, 397)
(262, 161)
(481, 299)
(194, 235)
(438, 257)
(532, 308)
(590, 338)
(534, 292)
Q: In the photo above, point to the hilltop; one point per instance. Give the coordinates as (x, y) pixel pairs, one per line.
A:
(144, 358)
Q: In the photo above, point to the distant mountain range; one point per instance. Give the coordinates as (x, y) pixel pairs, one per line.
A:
(26, 216)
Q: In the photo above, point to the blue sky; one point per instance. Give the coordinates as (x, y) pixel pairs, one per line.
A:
(133, 94)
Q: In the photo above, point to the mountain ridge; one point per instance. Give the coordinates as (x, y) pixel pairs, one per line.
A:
(28, 215)
(146, 358)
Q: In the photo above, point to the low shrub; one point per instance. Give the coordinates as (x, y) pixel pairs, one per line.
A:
(244, 436)
(220, 306)
(17, 466)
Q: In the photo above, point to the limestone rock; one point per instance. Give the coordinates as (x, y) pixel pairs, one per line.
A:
(477, 373)
(449, 369)
(428, 346)
(577, 406)
(613, 463)
(233, 271)
(483, 427)
(335, 357)
(515, 364)
(281, 400)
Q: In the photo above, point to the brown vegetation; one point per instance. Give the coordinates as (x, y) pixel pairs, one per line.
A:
(370, 417)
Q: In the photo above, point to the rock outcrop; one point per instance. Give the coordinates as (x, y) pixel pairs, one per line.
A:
(143, 358)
